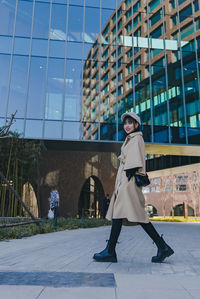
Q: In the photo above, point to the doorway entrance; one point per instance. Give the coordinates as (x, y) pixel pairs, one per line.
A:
(179, 210)
(91, 199)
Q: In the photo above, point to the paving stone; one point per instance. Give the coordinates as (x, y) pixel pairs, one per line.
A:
(144, 293)
(78, 293)
(56, 254)
(189, 282)
(20, 292)
(150, 282)
(58, 279)
(195, 294)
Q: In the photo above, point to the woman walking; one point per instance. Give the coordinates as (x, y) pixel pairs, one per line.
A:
(128, 201)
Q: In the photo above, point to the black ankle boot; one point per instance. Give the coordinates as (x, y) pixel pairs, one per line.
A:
(107, 255)
(163, 251)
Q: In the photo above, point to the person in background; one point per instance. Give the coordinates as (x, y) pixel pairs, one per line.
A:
(54, 204)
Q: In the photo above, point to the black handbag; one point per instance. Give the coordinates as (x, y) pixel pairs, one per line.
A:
(142, 180)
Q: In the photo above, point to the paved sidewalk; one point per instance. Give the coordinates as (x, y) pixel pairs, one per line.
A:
(59, 265)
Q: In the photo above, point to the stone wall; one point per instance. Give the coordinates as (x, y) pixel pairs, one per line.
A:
(68, 171)
(165, 201)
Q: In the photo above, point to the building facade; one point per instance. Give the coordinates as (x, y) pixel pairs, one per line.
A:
(145, 60)
(71, 68)
(174, 191)
(43, 47)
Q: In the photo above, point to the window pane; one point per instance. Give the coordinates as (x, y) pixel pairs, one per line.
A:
(175, 95)
(75, 24)
(52, 129)
(108, 131)
(35, 107)
(88, 51)
(58, 22)
(94, 3)
(187, 42)
(71, 130)
(142, 101)
(33, 129)
(105, 15)
(74, 50)
(18, 125)
(59, 1)
(155, 17)
(160, 109)
(92, 18)
(4, 73)
(76, 2)
(7, 15)
(22, 46)
(41, 20)
(108, 4)
(198, 42)
(57, 49)
(73, 92)
(54, 96)
(18, 84)
(24, 18)
(5, 44)
(39, 47)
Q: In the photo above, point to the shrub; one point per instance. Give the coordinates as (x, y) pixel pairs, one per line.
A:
(46, 226)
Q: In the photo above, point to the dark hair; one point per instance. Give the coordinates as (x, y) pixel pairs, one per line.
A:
(133, 121)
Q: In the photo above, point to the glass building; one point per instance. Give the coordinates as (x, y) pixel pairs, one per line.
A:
(71, 68)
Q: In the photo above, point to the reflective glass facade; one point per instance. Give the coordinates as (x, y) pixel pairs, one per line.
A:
(72, 67)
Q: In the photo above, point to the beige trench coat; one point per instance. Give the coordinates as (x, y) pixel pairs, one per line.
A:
(128, 200)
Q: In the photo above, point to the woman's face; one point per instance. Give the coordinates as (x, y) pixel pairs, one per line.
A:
(129, 125)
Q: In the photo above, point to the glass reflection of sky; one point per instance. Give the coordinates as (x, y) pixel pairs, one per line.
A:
(45, 80)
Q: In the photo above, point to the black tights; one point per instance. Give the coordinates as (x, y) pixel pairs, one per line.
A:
(148, 228)
(115, 232)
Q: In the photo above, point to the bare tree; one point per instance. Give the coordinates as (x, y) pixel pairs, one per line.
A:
(194, 187)
(5, 130)
(166, 189)
(4, 133)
